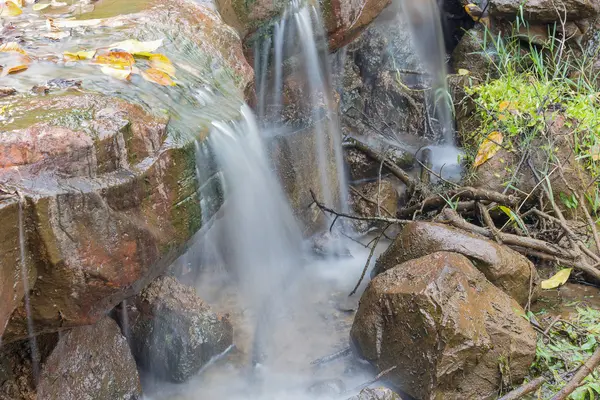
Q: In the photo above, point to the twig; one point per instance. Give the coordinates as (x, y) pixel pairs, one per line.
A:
(365, 198)
(438, 201)
(393, 168)
(579, 376)
(356, 217)
(372, 381)
(485, 214)
(339, 354)
(527, 388)
(366, 267)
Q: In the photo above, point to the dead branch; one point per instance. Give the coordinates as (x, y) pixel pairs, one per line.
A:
(374, 154)
(339, 354)
(586, 369)
(365, 198)
(372, 381)
(439, 201)
(366, 267)
(337, 214)
(527, 388)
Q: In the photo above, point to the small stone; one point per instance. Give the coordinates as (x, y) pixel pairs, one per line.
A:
(380, 393)
(7, 91)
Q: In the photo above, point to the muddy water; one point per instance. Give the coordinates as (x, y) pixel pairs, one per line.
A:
(564, 301)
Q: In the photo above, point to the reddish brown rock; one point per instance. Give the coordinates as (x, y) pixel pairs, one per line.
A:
(544, 10)
(445, 327)
(505, 268)
(109, 204)
(91, 362)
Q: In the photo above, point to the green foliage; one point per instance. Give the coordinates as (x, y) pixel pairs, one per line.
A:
(566, 347)
(534, 85)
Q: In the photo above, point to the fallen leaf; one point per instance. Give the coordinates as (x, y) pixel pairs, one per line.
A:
(40, 6)
(463, 72)
(136, 47)
(118, 73)
(80, 55)
(10, 9)
(12, 46)
(157, 76)
(116, 59)
(560, 278)
(488, 148)
(508, 105)
(162, 63)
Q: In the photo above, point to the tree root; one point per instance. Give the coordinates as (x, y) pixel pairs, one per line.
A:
(527, 388)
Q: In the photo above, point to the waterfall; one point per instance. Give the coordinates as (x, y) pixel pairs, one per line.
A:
(295, 52)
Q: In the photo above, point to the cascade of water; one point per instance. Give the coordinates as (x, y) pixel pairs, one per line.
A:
(25, 278)
(297, 50)
(423, 19)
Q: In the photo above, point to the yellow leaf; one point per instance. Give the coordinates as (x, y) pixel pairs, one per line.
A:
(40, 6)
(136, 47)
(12, 46)
(488, 148)
(118, 73)
(560, 278)
(463, 72)
(10, 9)
(116, 59)
(157, 76)
(80, 55)
(162, 63)
(508, 105)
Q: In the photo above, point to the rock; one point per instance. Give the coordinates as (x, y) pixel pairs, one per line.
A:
(17, 380)
(173, 333)
(7, 91)
(384, 194)
(445, 327)
(380, 393)
(327, 244)
(91, 362)
(362, 167)
(544, 10)
(505, 268)
(112, 193)
(343, 20)
(476, 55)
(109, 205)
(494, 173)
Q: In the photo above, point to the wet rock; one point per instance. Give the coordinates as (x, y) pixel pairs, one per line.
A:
(173, 333)
(365, 197)
(362, 167)
(327, 388)
(380, 393)
(296, 159)
(544, 10)
(476, 55)
(505, 268)
(445, 328)
(17, 381)
(7, 91)
(91, 362)
(494, 173)
(343, 20)
(109, 204)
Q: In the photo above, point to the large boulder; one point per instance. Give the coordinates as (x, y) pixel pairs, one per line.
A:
(91, 362)
(343, 20)
(106, 192)
(505, 268)
(445, 327)
(173, 333)
(544, 10)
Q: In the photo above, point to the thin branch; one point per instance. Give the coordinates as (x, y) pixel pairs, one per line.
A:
(527, 388)
(366, 267)
(581, 374)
